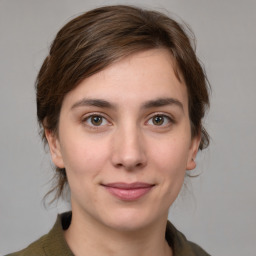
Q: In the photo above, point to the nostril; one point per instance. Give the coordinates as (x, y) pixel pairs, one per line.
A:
(129, 165)
(119, 165)
(139, 165)
(129, 152)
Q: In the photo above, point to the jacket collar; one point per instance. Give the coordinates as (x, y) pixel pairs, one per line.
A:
(55, 243)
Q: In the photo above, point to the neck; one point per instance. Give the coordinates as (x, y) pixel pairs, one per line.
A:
(85, 234)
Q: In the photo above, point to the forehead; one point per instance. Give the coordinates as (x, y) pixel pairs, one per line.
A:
(137, 78)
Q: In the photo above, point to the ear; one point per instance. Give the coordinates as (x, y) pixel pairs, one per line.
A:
(195, 142)
(54, 146)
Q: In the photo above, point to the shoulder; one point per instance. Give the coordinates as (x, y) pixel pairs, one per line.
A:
(197, 250)
(35, 249)
(51, 244)
(181, 245)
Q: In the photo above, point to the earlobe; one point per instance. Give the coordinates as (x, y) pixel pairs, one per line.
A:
(191, 163)
(54, 147)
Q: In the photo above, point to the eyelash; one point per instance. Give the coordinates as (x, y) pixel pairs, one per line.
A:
(87, 120)
(166, 118)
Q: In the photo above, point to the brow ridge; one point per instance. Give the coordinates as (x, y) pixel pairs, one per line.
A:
(93, 102)
(101, 103)
(160, 102)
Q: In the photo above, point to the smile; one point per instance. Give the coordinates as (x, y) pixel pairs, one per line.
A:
(128, 191)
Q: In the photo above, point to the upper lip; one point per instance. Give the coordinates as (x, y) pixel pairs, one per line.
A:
(124, 185)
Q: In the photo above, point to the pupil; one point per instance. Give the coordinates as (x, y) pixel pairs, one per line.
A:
(96, 120)
(158, 120)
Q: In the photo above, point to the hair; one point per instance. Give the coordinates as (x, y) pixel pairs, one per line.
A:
(94, 40)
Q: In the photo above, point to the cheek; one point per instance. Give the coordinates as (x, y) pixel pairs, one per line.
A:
(84, 162)
(171, 155)
(170, 161)
(84, 156)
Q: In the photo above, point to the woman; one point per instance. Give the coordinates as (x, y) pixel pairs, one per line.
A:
(120, 101)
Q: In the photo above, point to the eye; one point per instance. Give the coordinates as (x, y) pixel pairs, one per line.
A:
(95, 120)
(160, 120)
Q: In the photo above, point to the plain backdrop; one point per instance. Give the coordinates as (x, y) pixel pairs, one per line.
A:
(216, 210)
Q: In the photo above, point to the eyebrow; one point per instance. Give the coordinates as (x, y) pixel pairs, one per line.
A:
(148, 104)
(93, 102)
(163, 102)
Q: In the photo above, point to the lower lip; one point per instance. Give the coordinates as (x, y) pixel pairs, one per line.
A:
(129, 194)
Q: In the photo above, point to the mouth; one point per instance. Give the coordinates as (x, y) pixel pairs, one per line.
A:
(128, 191)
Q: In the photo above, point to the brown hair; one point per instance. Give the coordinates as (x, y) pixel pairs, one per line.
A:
(94, 40)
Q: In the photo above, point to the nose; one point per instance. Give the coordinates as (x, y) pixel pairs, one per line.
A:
(129, 149)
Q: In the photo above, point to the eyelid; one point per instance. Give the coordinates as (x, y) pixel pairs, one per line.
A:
(91, 114)
(165, 115)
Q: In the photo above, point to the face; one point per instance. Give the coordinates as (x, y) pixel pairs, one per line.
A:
(124, 139)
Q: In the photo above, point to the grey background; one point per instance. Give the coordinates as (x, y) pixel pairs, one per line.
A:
(218, 209)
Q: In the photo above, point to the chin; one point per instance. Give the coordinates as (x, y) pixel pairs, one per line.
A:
(130, 220)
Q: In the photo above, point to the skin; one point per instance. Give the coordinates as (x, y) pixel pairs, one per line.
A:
(133, 137)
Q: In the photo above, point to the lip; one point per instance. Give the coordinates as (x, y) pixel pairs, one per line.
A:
(128, 191)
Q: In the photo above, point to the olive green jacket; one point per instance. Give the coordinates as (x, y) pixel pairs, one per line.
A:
(54, 243)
